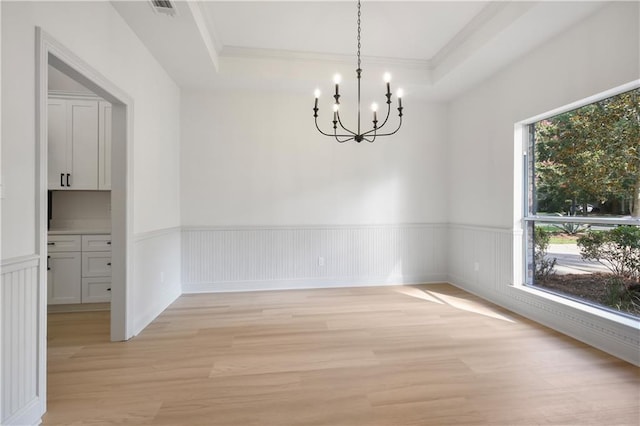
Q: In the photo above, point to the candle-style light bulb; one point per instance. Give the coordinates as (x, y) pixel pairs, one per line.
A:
(335, 112)
(374, 108)
(316, 93)
(400, 94)
(387, 79)
(337, 79)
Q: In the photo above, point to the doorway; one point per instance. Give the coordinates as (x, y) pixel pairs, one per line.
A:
(50, 53)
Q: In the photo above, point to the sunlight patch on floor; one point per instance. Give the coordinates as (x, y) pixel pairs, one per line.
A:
(453, 301)
(419, 294)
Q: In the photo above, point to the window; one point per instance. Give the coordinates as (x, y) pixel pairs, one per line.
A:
(582, 206)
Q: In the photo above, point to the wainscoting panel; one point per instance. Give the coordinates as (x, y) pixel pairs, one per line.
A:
(263, 258)
(156, 275)
(482, 261)
(20, 381)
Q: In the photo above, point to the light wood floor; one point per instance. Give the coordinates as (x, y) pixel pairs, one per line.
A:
(424, 355)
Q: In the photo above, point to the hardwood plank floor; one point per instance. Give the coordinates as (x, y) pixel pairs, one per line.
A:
(422, 355)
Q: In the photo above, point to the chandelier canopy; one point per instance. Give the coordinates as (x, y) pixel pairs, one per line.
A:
(344, 134)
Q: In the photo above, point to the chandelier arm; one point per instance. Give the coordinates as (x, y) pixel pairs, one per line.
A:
(337, 136)
(342, 125)
(375, 133)
(375, 129)
(387, 117)
(344, 140)
(318, 127)
(395, 131)
(329, 134)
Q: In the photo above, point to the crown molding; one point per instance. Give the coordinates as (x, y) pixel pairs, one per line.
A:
(289, 55)
(493, 19)
(207, 32)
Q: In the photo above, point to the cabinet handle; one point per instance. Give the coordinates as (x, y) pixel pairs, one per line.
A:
(48, 267)
(61, 179)
(68, 176)
(109, 289)
(109, 264)
(109, 242)
(51, 243)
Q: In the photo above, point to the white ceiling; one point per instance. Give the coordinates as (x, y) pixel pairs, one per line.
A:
(437, 48)
(416, 30)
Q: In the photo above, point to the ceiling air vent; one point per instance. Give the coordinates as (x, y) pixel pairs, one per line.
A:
(164, 6)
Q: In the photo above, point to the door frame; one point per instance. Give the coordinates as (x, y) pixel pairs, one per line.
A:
(50, 52)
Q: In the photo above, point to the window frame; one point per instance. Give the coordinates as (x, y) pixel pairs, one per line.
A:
(524, 218)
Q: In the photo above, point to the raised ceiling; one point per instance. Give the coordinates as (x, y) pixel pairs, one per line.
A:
(438, 48)
(417, 30)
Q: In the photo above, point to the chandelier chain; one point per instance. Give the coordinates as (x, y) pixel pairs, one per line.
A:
(359, 34)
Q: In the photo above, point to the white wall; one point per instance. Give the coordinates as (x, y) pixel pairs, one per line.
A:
(94, 32)
(255, 158)
(268, 202)
(599, 53)
(112, 48)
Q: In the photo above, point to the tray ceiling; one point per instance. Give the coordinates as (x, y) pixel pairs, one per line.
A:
(440, 47)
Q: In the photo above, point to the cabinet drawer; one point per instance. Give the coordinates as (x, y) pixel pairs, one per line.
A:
(96, 243)
(96, 290)
(96, 264)
(62, 243)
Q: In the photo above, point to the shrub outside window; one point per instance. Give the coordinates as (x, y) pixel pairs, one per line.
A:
(582, 211)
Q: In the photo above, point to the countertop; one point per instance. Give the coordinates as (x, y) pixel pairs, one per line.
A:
(78, 231)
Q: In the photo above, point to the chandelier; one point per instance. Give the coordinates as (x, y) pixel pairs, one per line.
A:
(344, 134)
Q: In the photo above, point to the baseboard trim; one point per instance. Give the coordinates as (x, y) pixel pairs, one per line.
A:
(142, 321)
(613, 338)
(247, 286)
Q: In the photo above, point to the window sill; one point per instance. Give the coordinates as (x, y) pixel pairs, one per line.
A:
(620, 319)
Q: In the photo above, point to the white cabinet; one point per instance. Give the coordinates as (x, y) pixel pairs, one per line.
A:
(96, 242)
(63, 278)
(79, 144)
(57, 142)
(96, 289)
(79, 269)
(104, 145)
(96, 264)
(58, 243)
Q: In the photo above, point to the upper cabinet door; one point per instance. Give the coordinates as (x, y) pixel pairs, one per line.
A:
(104, 146)
(84, 144)
(79, 144)
(58, 151)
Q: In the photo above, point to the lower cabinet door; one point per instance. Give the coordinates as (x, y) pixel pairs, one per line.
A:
(96, 264)
(63, 278)
(96, 289)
